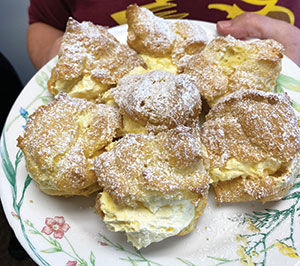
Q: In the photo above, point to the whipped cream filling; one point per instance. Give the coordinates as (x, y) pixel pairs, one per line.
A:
(144, 225)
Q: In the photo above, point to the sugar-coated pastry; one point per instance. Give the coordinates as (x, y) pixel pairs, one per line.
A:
(190, 39)
(154, 187)
(158, 100)
(227, 64)
(147, 33)
(252, 142)
(62, 139)
(155, 37)
(90, 60)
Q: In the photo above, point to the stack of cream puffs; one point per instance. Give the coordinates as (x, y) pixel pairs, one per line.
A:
(125, 122)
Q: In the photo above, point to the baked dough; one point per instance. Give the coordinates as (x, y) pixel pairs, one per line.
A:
(158, 100)
(153, 172)
(90, 61)
(157, 37)
(61, 141)
(251, 140)
(227, 64)
(190, 39)
(147, 33)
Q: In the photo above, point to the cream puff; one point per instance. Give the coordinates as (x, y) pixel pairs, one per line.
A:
(62, 139)
(251, 140)
(154, 187)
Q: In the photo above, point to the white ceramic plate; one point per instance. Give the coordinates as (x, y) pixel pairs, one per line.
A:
(60, 231)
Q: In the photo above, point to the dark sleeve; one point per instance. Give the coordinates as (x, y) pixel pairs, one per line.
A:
(52, 12)
(8, 76)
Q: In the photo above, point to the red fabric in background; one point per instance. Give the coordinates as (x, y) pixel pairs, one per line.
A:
(57, 12)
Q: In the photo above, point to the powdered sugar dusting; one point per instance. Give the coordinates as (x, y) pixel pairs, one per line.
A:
(251, 125)
(226, 65)
(154, 36)
(139, 164)
(148, 33)
(159, 98)
(61, 140)
(90, 49)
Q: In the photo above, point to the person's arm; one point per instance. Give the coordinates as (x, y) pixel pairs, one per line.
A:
(259, 26)
(43, 42)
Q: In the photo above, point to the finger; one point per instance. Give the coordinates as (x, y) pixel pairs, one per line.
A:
(253, 25)
(259, 26)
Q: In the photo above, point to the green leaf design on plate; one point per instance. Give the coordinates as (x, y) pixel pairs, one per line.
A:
(296, 106)
(42, 80)
(186, 262)
(285, 82)
(92, 258)
(135, 257)
(7, 166)
(288, 83)
(46, 99)
(51, 250)
(222, 260)
(255, 246)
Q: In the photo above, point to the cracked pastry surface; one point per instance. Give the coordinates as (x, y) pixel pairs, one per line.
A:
(61, 141)
(157, 176)
(226, 65)
(147, 33)
(90, 61)
(158, 38)
(190, 39)
(252, 140)
(158, 100)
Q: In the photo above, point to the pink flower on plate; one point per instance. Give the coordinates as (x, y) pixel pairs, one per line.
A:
(57, 226)
(102, 243)
(71, 263)
(15, 215)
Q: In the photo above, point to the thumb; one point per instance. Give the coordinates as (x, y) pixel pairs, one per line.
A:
(263, 27)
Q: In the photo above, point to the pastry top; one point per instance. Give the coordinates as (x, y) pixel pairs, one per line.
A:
(251, 126)
(267, 49)
(190, 39)
(140, 165)
(227, 64)
(157, 37)
(147, 33)
(89, 49)
(62, 138)
(159, 99)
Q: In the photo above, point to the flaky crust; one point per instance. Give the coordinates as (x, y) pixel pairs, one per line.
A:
(91, 50)
(251, 126)
(227, 65)
(168, 164)
(61, 141)
(147, 33)
(157, 37)
(159, 100)
(190, 39)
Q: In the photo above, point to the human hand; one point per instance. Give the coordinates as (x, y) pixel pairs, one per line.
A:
(259, 26)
